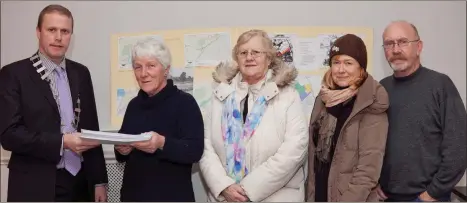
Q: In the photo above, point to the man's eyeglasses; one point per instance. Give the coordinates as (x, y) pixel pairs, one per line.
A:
(254, 54)
(401, 43)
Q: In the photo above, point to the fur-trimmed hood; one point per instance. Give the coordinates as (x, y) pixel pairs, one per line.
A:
(281, 73)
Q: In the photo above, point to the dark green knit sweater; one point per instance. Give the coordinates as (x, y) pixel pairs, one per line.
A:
(426, 144)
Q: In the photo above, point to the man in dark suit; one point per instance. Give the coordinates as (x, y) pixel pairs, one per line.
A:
(45, 101)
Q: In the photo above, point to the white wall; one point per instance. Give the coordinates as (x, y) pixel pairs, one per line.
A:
(442, 26)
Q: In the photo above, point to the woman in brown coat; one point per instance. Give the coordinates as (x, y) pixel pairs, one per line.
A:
(348, 128)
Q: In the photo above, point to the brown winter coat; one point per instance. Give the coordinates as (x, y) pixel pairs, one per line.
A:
(358, 157)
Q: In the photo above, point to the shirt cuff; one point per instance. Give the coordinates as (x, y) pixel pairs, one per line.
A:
(100, 184)
(61, 148)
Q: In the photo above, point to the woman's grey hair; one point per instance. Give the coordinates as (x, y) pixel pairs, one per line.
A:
(150, 47)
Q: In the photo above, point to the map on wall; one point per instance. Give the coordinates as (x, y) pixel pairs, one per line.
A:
(206, 49)
(202, 88)
(124, 96)
(308, 87)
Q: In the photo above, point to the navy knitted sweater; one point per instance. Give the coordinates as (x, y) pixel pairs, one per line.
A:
(164, 175)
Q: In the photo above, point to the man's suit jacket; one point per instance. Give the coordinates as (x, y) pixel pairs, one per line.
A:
(30, 129)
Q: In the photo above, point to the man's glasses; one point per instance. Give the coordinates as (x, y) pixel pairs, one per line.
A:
(401, 43)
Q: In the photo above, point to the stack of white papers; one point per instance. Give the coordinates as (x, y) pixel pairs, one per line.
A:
(113, 138)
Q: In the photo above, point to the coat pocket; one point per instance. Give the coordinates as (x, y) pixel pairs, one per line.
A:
(350, 136)
(343, 182)
(297, 180)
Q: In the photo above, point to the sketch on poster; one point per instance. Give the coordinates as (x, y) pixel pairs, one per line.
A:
(182, 78)
(284, 45)
(125, 45)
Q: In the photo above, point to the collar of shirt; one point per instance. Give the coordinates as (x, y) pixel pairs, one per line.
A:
(47, 62)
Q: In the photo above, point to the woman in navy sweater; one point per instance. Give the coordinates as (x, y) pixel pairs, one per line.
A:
(159, 169)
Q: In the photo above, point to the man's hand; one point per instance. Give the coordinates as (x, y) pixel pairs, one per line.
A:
(234, 193)
(381, 194)
(426, 197)
(76, 144)
(100, 194)
(123, 149)
(157, 141)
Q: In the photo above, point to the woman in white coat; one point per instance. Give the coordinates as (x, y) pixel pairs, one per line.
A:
(256, 134)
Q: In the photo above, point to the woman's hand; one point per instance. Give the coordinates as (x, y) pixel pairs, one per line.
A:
(150, 146)
(234, 193)
(123, 149)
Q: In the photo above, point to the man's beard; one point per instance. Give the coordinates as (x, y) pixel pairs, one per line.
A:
(399, 66)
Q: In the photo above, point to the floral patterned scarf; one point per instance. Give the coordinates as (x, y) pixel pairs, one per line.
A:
(235, 134)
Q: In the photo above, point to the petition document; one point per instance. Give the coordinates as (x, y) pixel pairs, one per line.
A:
(113, 138)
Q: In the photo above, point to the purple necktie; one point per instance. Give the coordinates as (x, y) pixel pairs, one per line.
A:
(72, 160)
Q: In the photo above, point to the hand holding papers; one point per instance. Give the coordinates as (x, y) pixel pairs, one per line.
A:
(73, 142)
(155, 142)
(113, 138)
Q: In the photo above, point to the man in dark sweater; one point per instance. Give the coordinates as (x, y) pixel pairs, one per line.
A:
(426, 147)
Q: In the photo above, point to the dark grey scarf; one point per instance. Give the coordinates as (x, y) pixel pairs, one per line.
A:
(325, 126)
